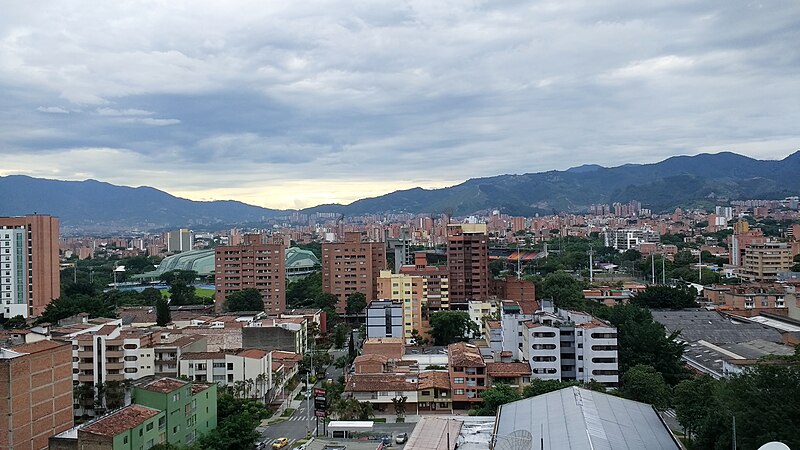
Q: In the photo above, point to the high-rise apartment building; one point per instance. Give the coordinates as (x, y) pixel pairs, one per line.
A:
(35, 394)
(467, 263)
(256, 265)
(352, 266)
(180, 240)
(29, 270)
(437, 295)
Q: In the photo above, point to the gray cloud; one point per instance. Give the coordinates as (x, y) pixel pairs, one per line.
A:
(249, 97)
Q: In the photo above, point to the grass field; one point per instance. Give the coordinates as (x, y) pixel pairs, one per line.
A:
(198, 292)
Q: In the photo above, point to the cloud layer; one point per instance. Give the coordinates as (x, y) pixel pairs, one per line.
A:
(290, 104)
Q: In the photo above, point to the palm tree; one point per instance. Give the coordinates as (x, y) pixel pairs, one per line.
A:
(84, 394)
(115, 394)
(249, 383)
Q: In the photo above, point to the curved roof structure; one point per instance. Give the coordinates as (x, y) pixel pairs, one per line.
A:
(201, 261)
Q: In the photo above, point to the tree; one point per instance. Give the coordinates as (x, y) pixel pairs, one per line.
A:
(694, 402)
(340, 335)
(163, 315)
(417, 339)
(641, 340)
(497, 395)
(351, 347)
(399, 406)
(539, 387)
(114, 394)
(64, 307)
(565, 290)
(644, 384)
(666, 297)
(150, 296)
(181, 294)
(233, 433)
(84, 394)
(356, 302)
(448, 327)
(16, 322)
(796, 266)
(245, 300)
(172, 277)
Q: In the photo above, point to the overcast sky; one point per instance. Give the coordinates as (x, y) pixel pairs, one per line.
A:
(295, 103)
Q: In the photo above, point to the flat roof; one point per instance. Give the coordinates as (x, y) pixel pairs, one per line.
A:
(340, 425)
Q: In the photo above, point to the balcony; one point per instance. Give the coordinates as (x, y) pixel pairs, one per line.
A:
(114, 354)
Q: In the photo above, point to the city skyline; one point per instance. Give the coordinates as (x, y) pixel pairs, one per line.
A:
(290, 106)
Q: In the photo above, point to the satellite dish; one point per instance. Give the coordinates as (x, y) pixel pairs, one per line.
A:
(774, 446)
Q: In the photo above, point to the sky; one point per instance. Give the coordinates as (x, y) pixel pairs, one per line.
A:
(290, 104)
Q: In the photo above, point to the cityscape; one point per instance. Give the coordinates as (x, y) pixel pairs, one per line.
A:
(410, 225)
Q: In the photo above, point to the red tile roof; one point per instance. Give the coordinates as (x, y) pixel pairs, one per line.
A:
(115, 423)
(253, 353)
(194, 356)
(428, 380)
(511, 369)
(35, 347)
(165, 385)
(465, 355)
(379, 382)
(196, 388)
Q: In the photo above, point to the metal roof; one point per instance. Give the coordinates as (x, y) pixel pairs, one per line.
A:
(711, 326)
(575, 418)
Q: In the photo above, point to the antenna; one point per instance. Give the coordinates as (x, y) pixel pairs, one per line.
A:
(516, 440)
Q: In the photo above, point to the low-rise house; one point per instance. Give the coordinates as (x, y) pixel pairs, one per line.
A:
(467, 374)
(514, 374)
(435, 393)
(380, 389)
(249, 371)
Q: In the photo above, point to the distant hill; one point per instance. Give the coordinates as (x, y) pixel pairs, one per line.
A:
(96, 205)
(678, 181)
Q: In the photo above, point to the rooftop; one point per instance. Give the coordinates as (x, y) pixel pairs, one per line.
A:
(711, 326)
(379, 382)
(121, 420)
(501, 369)
(165, 385)
(463, 354)
(575, 418)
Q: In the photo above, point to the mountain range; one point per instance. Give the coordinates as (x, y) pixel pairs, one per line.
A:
(685, 181)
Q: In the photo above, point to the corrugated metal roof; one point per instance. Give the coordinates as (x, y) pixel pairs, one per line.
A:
(575, 418)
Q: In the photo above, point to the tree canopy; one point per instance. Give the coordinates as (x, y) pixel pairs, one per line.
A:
(245, 300)
(644, 384)
(565, 290)
(666, 297)
(356, 302)
(448, 327)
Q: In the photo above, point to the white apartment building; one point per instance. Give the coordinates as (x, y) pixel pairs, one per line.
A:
(13, 274)
(229, 368)
(631, 238)
(385, 319)
(478, 309)
(569, 345)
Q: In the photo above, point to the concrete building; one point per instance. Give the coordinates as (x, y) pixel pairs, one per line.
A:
(167, 352)
(630, 238)
(569, 345)
(763, 262)
(380, 389)
(467, 263)
(480, 310)
(288, 335)
(253, 265)
(352, 266)
(191, 408)
(130, 428)
(437, 295)
(742, 238)
(179, 240)
(29, 268)
(385, 319)
(228, 368)
(35, 394)
(409, 291)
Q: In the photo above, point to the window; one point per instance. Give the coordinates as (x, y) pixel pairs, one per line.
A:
(125, 439)
(458, 380)
(459, 392)
(149, 426)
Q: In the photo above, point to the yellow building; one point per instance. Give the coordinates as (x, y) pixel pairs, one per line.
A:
(411, 291)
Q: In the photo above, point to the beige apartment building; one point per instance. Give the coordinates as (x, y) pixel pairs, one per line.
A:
(410, 291)
(763, 262)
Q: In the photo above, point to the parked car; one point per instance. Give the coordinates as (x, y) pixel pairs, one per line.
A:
(401, 438)
(280, 443)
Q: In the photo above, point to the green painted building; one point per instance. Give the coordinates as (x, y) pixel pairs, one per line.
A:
(190, 409)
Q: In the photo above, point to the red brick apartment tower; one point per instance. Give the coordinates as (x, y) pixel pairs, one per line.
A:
(467, 263)
(29, 269)
(35, 394)
(352, 266)
(253, 264)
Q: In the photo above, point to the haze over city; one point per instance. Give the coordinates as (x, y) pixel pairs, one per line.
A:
(290, 105)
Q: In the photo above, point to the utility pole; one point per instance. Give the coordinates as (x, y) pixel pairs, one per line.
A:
(663, 273)
(653, 268)
(308, 407)
(591, 264)
(700, 266)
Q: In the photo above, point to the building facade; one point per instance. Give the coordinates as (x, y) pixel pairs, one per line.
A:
(253, 265)
(409, 291)
(35, 394)
(385, 319)
(763, 262)
(29, 268)
(467, 263)
(437, 295)
(352, 266)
